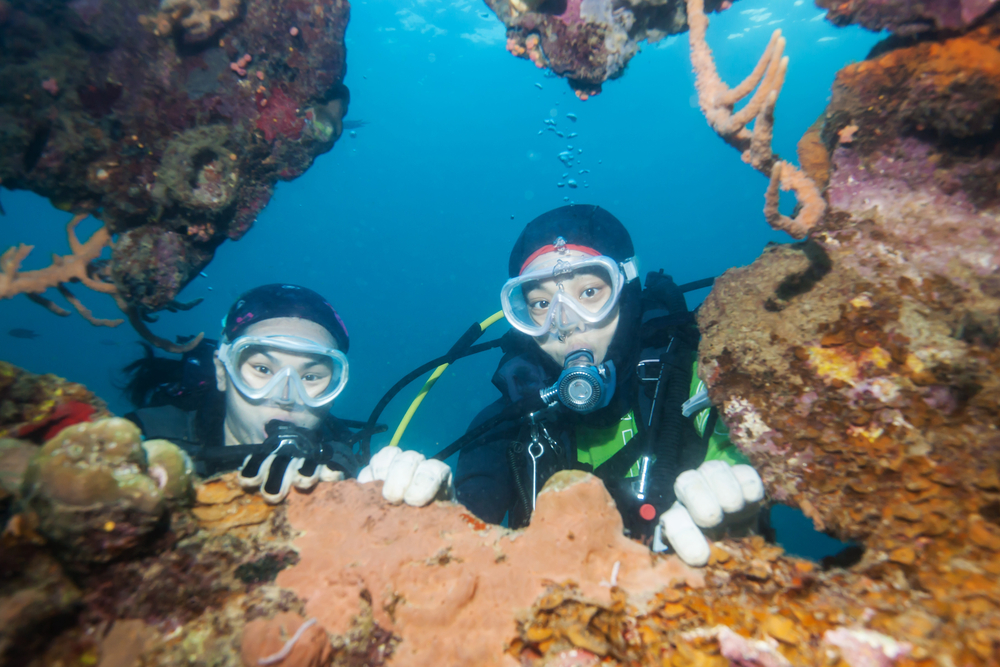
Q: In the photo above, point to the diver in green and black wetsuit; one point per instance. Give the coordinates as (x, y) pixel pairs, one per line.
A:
(616, 369)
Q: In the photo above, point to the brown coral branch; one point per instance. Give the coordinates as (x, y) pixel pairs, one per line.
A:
(811, 199)
(76, 267)
(48, 305)
(64, 268)
(717, 102)
(135, 319)
(85, 312)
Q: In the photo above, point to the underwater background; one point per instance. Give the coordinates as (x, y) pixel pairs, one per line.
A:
(406, 224)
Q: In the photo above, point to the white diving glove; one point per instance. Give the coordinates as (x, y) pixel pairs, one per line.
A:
(713, 496)
(409, 477)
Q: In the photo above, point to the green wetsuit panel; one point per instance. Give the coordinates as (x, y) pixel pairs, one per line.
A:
(596, 445)
(720, 447)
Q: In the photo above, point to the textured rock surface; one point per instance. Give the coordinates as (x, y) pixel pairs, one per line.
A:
(860, 370)
(172, 469)
(174, 120)
(265, 639)
(89, 489)
(907, 17)
(451, 586)
(588, 41)
(36, 407)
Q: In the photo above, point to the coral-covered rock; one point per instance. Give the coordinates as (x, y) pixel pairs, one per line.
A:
(90, 489)
(860, 370)
(221, 505)
(451, 586)
(34, 594)
(907, 17)
(15, 455)
(172, 118)
(197, 21)
(36, 407)
(588, 41)
(172, 469)
(287, 639)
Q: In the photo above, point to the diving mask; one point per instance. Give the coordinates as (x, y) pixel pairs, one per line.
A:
(284, 370)
(573, 293)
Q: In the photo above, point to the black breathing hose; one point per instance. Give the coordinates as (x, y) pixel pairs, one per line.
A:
(463, 348)
(519, 410)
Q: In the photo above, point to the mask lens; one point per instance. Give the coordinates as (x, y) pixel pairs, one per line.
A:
(562, 296)
(286, 371)
(259, 365)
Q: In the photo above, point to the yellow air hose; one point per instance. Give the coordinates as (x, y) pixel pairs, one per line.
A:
(484, 325)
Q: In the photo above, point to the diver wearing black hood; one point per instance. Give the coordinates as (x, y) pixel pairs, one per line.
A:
(617, 366)
(259, 400)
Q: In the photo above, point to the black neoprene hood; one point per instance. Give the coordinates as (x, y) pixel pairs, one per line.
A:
(282, 300)
(579, 224)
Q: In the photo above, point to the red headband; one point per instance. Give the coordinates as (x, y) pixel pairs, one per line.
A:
(551, 248)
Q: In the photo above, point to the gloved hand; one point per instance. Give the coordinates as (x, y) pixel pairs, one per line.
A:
(714, 496)
(408, 476)
(290, 456)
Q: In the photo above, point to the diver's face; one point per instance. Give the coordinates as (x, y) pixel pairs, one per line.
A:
(588, 287)
(245, 418)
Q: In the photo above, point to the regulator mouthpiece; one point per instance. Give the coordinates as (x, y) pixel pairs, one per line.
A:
(582, 386)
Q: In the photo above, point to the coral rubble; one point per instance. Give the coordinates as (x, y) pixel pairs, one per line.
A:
(588, 41)
(132, 109)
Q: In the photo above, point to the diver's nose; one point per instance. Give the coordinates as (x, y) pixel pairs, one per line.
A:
(566, 320)
(286, 397)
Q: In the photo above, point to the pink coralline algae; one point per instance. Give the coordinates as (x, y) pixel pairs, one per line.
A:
(279, 116)
(907, 17)
(587, 42)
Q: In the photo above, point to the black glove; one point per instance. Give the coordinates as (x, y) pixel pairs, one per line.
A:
(290, 456)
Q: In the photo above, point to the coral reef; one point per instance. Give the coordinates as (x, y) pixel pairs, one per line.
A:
(172, 469)
(860, 370)
(176, 155)
(906, 17)
(37, 407)
(450, 585)
(588, 41)
(287, 639)
(89, 489)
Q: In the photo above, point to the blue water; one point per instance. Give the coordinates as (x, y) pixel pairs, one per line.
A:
(406, 227)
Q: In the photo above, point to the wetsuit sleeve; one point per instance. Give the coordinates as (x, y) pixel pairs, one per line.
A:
(483, 480)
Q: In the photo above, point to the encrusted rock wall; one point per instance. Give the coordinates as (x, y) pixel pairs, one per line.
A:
(588, 41)
(174, 119)
(860, 370)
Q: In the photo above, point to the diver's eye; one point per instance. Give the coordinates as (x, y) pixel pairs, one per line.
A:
(590, 293)
(311, 377)
(540, 304)
(263, 370)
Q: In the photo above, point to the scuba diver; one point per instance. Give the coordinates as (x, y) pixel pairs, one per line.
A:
(601, 375)
(259, 400)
